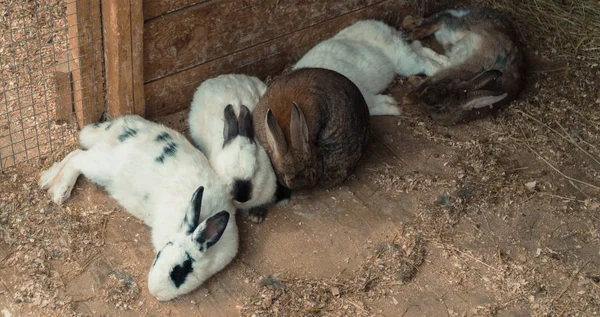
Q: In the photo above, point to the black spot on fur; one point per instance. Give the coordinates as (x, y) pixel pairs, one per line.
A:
(146, 197)
(242, 190)
(127, 133)
(163, 137)
(282, 193)
(108, 126)
(180, 272)
(95, 124)
(168, 151)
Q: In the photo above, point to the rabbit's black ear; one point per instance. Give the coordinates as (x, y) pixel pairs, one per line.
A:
(211, 230)
(275, 138)
(192, 217)
(299, 130)
(245, 123)
(483, 78)
(230, 129)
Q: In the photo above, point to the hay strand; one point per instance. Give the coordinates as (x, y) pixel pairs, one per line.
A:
(572, 26)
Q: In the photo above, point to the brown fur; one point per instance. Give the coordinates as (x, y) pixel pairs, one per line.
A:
(337, 121)
(443, 96)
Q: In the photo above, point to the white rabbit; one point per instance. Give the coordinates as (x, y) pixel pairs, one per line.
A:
(162, 179)
(221, 126)
(371, 53)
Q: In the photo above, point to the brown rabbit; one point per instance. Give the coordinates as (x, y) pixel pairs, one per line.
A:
(314, 124)
(485, 70)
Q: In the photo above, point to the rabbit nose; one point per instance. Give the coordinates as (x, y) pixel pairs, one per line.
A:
(242, 190)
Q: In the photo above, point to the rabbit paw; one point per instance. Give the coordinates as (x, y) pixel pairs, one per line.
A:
(383, 105)
(61, 192)
(60, 179)
(48, 177)
(255, 214)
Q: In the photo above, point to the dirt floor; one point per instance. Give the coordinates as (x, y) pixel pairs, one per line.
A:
(499, 217)
(495, 218)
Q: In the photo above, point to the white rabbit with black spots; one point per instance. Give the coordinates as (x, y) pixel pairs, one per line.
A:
(162, 179)
(221, 126)
(371, 54)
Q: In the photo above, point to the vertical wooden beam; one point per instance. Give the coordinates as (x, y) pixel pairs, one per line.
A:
(63, 81)
(85, 59)
(64, 96)
(123, 24)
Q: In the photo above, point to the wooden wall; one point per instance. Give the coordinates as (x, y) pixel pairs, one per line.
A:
(188, 41)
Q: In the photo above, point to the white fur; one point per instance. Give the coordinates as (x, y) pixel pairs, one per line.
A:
(157, 193)
(458, 45)
(241, 158)
(370, 53)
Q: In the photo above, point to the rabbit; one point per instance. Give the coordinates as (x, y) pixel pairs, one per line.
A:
(371, 53)
(220, 124)
(162, 179)
(486, 65)
(314, 124)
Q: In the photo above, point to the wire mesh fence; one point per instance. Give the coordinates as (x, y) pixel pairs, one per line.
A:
(50, 74)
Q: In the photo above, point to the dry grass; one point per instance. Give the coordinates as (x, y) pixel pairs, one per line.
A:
(571, 27)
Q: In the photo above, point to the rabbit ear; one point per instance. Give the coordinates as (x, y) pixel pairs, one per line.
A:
(483, 101)
(192, 217)
(275, 137)
(483, 79)
(211, 230)
(230, 129)
(298, 130)
(245, 123)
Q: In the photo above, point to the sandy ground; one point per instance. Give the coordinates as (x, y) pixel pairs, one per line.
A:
(460, 221)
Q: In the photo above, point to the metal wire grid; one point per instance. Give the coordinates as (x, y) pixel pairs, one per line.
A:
(33, 45)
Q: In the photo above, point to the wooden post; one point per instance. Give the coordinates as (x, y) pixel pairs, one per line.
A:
(63, 80)
(85, 59)
(123, 25)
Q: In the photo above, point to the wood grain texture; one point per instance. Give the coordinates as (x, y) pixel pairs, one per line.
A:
(214, 29)
(63, 83)
(175, 92)
(137, 56)
(156, 8)
(64, 96)
(85, 57)
(123, 27)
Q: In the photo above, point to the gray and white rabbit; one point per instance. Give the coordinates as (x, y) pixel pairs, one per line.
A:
(221, 126)
(314, 124)
(371, 54)
(163, 180)
(486, 65)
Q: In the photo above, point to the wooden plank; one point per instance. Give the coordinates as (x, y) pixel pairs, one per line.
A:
(63, 79)
(137, 56)
(85, 59)
(214, 29)
(123, 28)
(175, 92)
(64, 96)
(156, 8)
